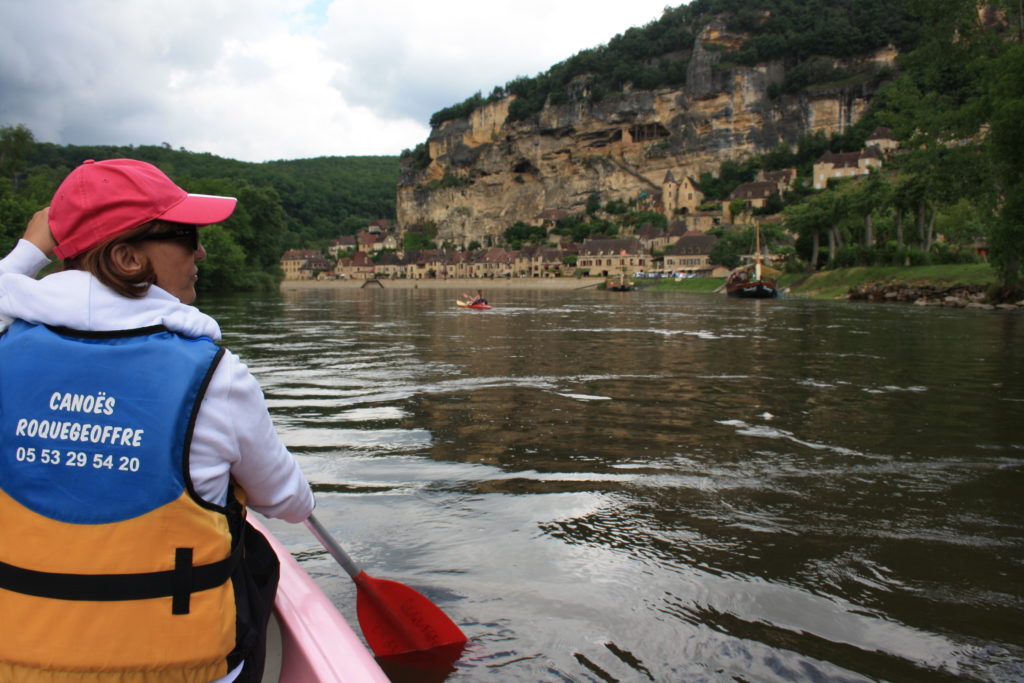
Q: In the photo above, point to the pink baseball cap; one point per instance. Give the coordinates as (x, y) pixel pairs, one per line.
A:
(102, 199)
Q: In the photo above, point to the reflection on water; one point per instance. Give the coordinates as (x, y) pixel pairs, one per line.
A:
(601, 486)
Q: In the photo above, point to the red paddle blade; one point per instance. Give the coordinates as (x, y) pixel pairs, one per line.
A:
(397, 619)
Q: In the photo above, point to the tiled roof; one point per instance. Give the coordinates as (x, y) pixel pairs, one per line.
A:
(299, 254)
(611, 246)
(756, 190)
(692, 243)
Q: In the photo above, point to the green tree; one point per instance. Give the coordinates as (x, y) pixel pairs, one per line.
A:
(866, 198)
(420, 238)
(521, 233)
(962, 223)
(581, 228)
(224, 268)
(833, 206)
(16, 143)
(616, 207)
(1005, 104)
(962, 77)
(811, 220)
(14, 214)
(731, 245)
(903, 202)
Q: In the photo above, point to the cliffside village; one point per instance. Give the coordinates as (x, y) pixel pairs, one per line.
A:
(683, 250)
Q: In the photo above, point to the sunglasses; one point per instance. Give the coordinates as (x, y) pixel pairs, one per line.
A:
(187, 234)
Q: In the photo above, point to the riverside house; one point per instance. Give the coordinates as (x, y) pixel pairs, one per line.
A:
(492, 262)
(607, 257)
(389, 265)
(359, 267)
(691, 255)
(423, 264)
(304, 264)
(540, 262)
(458, 263)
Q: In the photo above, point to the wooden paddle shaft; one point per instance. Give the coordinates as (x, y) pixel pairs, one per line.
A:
(332, 546)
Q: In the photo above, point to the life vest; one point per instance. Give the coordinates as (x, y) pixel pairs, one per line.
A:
(111, 566)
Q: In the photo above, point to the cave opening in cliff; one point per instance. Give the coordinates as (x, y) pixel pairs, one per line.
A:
(648, 131)
(524, 166)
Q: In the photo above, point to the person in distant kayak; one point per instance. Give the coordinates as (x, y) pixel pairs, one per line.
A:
(477, 300)
(131, 444)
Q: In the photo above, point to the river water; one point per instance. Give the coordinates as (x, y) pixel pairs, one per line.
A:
(638, 486)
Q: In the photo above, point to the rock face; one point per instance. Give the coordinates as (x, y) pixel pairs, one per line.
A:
(486, 173)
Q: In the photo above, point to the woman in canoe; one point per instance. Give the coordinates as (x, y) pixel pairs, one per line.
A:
(477, 300)
(131, 444)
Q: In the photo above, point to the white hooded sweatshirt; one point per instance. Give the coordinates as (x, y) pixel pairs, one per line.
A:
(233, 435)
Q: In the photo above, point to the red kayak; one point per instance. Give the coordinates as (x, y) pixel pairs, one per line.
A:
(482, 307)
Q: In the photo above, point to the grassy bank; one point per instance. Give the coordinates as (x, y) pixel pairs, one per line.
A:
(833, 284)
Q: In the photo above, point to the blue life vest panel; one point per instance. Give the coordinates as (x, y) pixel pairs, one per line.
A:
(95, 428)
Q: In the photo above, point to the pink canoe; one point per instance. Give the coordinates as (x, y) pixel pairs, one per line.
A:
(309, 640)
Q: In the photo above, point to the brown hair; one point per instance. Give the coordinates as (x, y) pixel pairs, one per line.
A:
(100, 262)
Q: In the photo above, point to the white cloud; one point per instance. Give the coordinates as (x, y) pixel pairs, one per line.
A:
(416, 58)
(268, 79)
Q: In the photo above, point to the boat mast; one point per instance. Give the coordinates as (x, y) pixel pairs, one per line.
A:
(757, 251)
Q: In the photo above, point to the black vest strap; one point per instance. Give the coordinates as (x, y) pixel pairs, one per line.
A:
(178, 583)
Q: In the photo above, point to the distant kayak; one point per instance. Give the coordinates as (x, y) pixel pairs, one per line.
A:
(463, 304)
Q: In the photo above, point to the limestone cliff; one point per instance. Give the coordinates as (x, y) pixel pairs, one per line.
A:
(486, 173)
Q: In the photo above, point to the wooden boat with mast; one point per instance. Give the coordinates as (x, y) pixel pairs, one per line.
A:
(618, 285)
(753, 281)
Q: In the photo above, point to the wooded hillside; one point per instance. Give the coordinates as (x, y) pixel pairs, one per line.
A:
(282, 204)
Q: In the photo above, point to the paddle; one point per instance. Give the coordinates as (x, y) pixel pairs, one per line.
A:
(396, 620)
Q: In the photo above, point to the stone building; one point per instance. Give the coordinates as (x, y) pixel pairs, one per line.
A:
(755, 194)
(540, 262)
(883, 140)
(304, 264)
(652, 238)
(680, 196)
(359, 267)
(845, 165)
(606, 257)
(389, 265)
(691, 254)
(345, 243)
(784, 178)
(491, 262)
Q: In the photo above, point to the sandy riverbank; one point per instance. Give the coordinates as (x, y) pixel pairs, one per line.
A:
(462, 284)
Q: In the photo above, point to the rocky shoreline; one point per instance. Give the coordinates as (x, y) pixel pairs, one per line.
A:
(954, 296)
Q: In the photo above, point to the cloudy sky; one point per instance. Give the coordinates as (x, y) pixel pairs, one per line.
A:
(277, 79)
